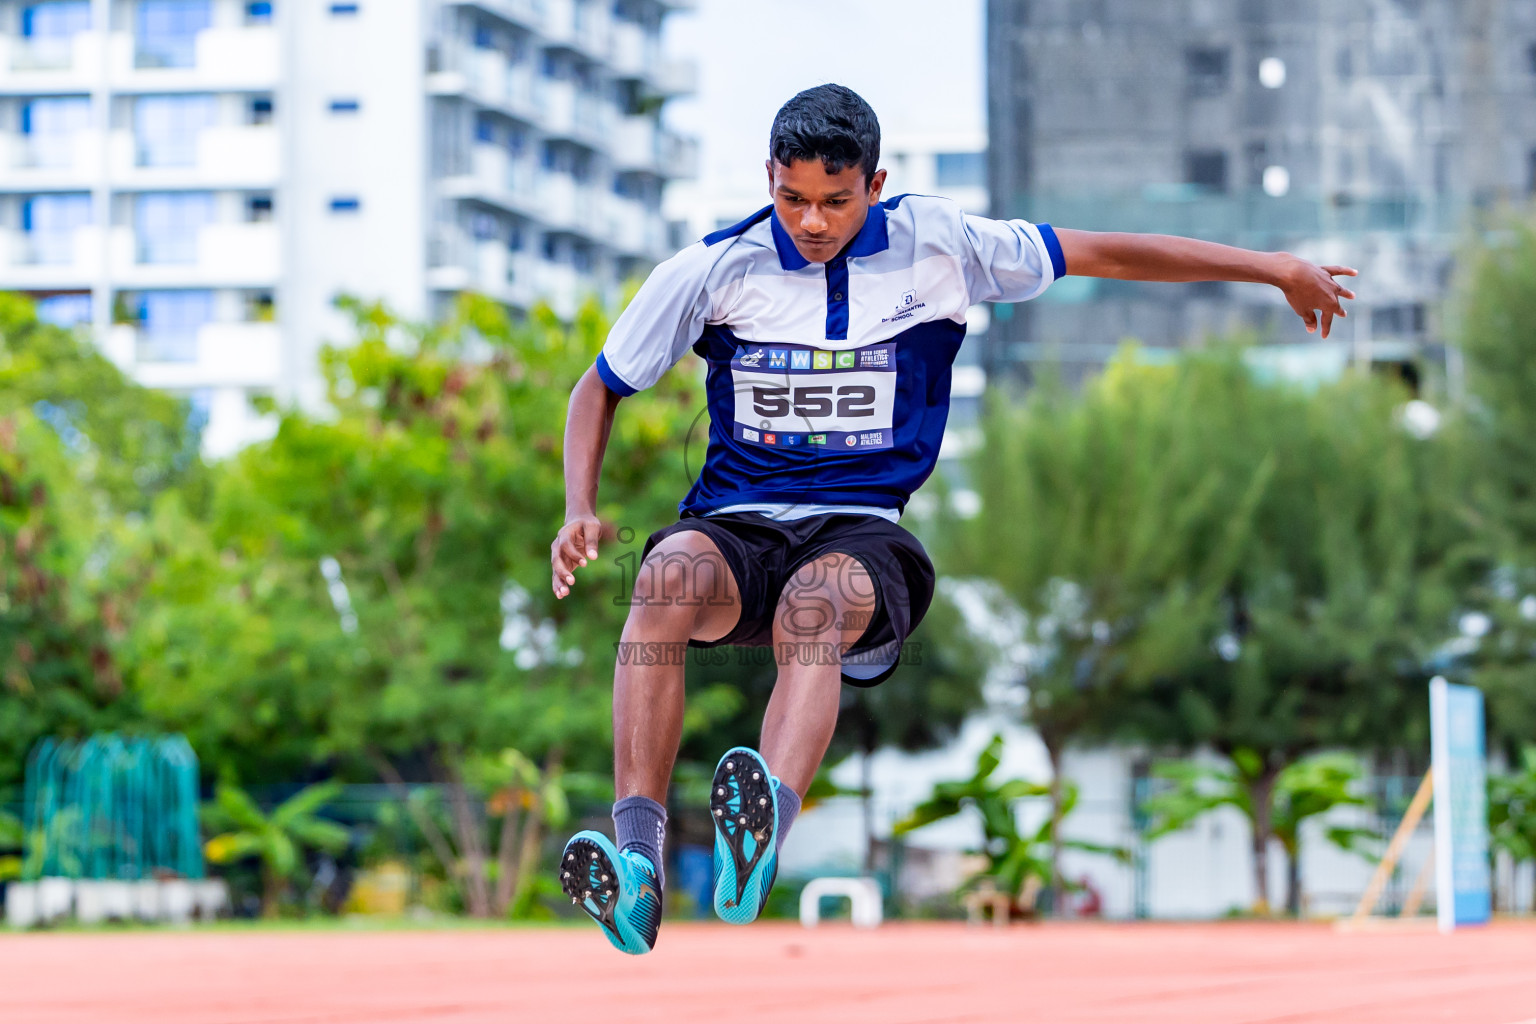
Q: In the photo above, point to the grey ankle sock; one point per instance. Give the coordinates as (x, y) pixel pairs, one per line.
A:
(640, 823)
(789, 806)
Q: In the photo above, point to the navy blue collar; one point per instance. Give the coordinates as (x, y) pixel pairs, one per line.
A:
(872, 238)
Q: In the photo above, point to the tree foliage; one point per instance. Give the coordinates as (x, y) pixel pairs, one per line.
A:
(277, 839)
(1205, 559)
(1305, 789)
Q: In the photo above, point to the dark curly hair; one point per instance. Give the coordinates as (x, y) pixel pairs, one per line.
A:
(831, 123)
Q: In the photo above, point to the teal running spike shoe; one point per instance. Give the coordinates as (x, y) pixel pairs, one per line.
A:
(617, 890)
(743, 807)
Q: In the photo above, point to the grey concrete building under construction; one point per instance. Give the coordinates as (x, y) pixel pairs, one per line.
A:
(1373, 133)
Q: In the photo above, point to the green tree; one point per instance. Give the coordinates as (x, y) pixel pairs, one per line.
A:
(277, 839)
(1305, 789)
(1512, 810)
(373, 589)
(1494, 323)
(83, 453)
(1208, 559)
(1013, 856)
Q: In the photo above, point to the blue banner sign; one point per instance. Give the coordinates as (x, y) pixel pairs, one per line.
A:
(1462, 880)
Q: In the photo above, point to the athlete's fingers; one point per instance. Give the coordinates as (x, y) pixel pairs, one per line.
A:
(589, 535)
(1310, 319)
(1327, 321)
(1333, 271)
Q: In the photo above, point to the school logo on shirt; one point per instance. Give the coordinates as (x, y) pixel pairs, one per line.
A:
(906, 308)
(778, 358)
(822, 360)
(753, 359)
(845, 360)
(800, 359)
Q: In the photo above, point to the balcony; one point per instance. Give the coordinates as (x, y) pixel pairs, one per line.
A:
(580, 25)
(636, 145)
(223, 59)
(50, 65)
(222, 354)
(232, 255)
(527, 13)
(567, 205)
(677, 155)
(560, 285)
(498, 178)
(45, 262)
(634, 52)
(31, 163)
(228, 156)
(634, 230)
(676, 77)
(572, 113)
(487, 266)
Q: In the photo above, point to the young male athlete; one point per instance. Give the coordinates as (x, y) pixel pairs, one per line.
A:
(828, 322)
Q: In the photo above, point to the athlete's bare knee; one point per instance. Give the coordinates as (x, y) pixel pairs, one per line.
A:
(828, 596)
(679, 583)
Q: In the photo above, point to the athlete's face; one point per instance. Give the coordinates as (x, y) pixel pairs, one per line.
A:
(822, 212)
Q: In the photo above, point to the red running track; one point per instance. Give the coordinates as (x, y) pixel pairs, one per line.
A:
(771, 972)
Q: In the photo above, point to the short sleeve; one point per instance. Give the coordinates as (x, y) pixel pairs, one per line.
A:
(663, 321)
(1009, 260)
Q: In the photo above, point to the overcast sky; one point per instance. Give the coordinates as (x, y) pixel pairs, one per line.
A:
(920, 72)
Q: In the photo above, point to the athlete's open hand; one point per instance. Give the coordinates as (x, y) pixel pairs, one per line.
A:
(575, 545)
(1311, 289)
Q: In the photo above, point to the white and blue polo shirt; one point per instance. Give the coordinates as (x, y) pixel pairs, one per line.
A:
(828, 383)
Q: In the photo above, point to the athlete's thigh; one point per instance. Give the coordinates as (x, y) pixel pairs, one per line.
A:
(686, 570)
(831, 595)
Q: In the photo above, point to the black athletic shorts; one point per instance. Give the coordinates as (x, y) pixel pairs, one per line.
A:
(764, 555)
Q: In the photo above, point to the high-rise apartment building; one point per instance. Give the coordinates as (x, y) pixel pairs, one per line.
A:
(1366, 133)
(197, 180)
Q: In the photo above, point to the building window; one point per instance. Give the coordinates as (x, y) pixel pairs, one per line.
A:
(258, 208)
(48, 127)
(168, 224)
(485, 128)
(1206, 70)
(166, 32)
(960, 170)
(1272, 72)
(1206, 169)
(49, 223)
(166, 128)
(64, 310)
(260, 307)
(346, 204)
(258, 12)
(485, 226)
(49, 30)
(1400, 321)
(260, 111)
(169, 323)
(345, 106)
(56, 19)
(343, 9)
(485, 39)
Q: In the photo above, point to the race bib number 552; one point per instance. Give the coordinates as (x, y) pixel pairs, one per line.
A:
(791, 396)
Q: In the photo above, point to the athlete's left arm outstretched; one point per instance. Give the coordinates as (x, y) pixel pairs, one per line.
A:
(1310, 289)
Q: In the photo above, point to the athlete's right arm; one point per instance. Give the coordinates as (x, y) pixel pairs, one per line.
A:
(654, 332)
(588, 422)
